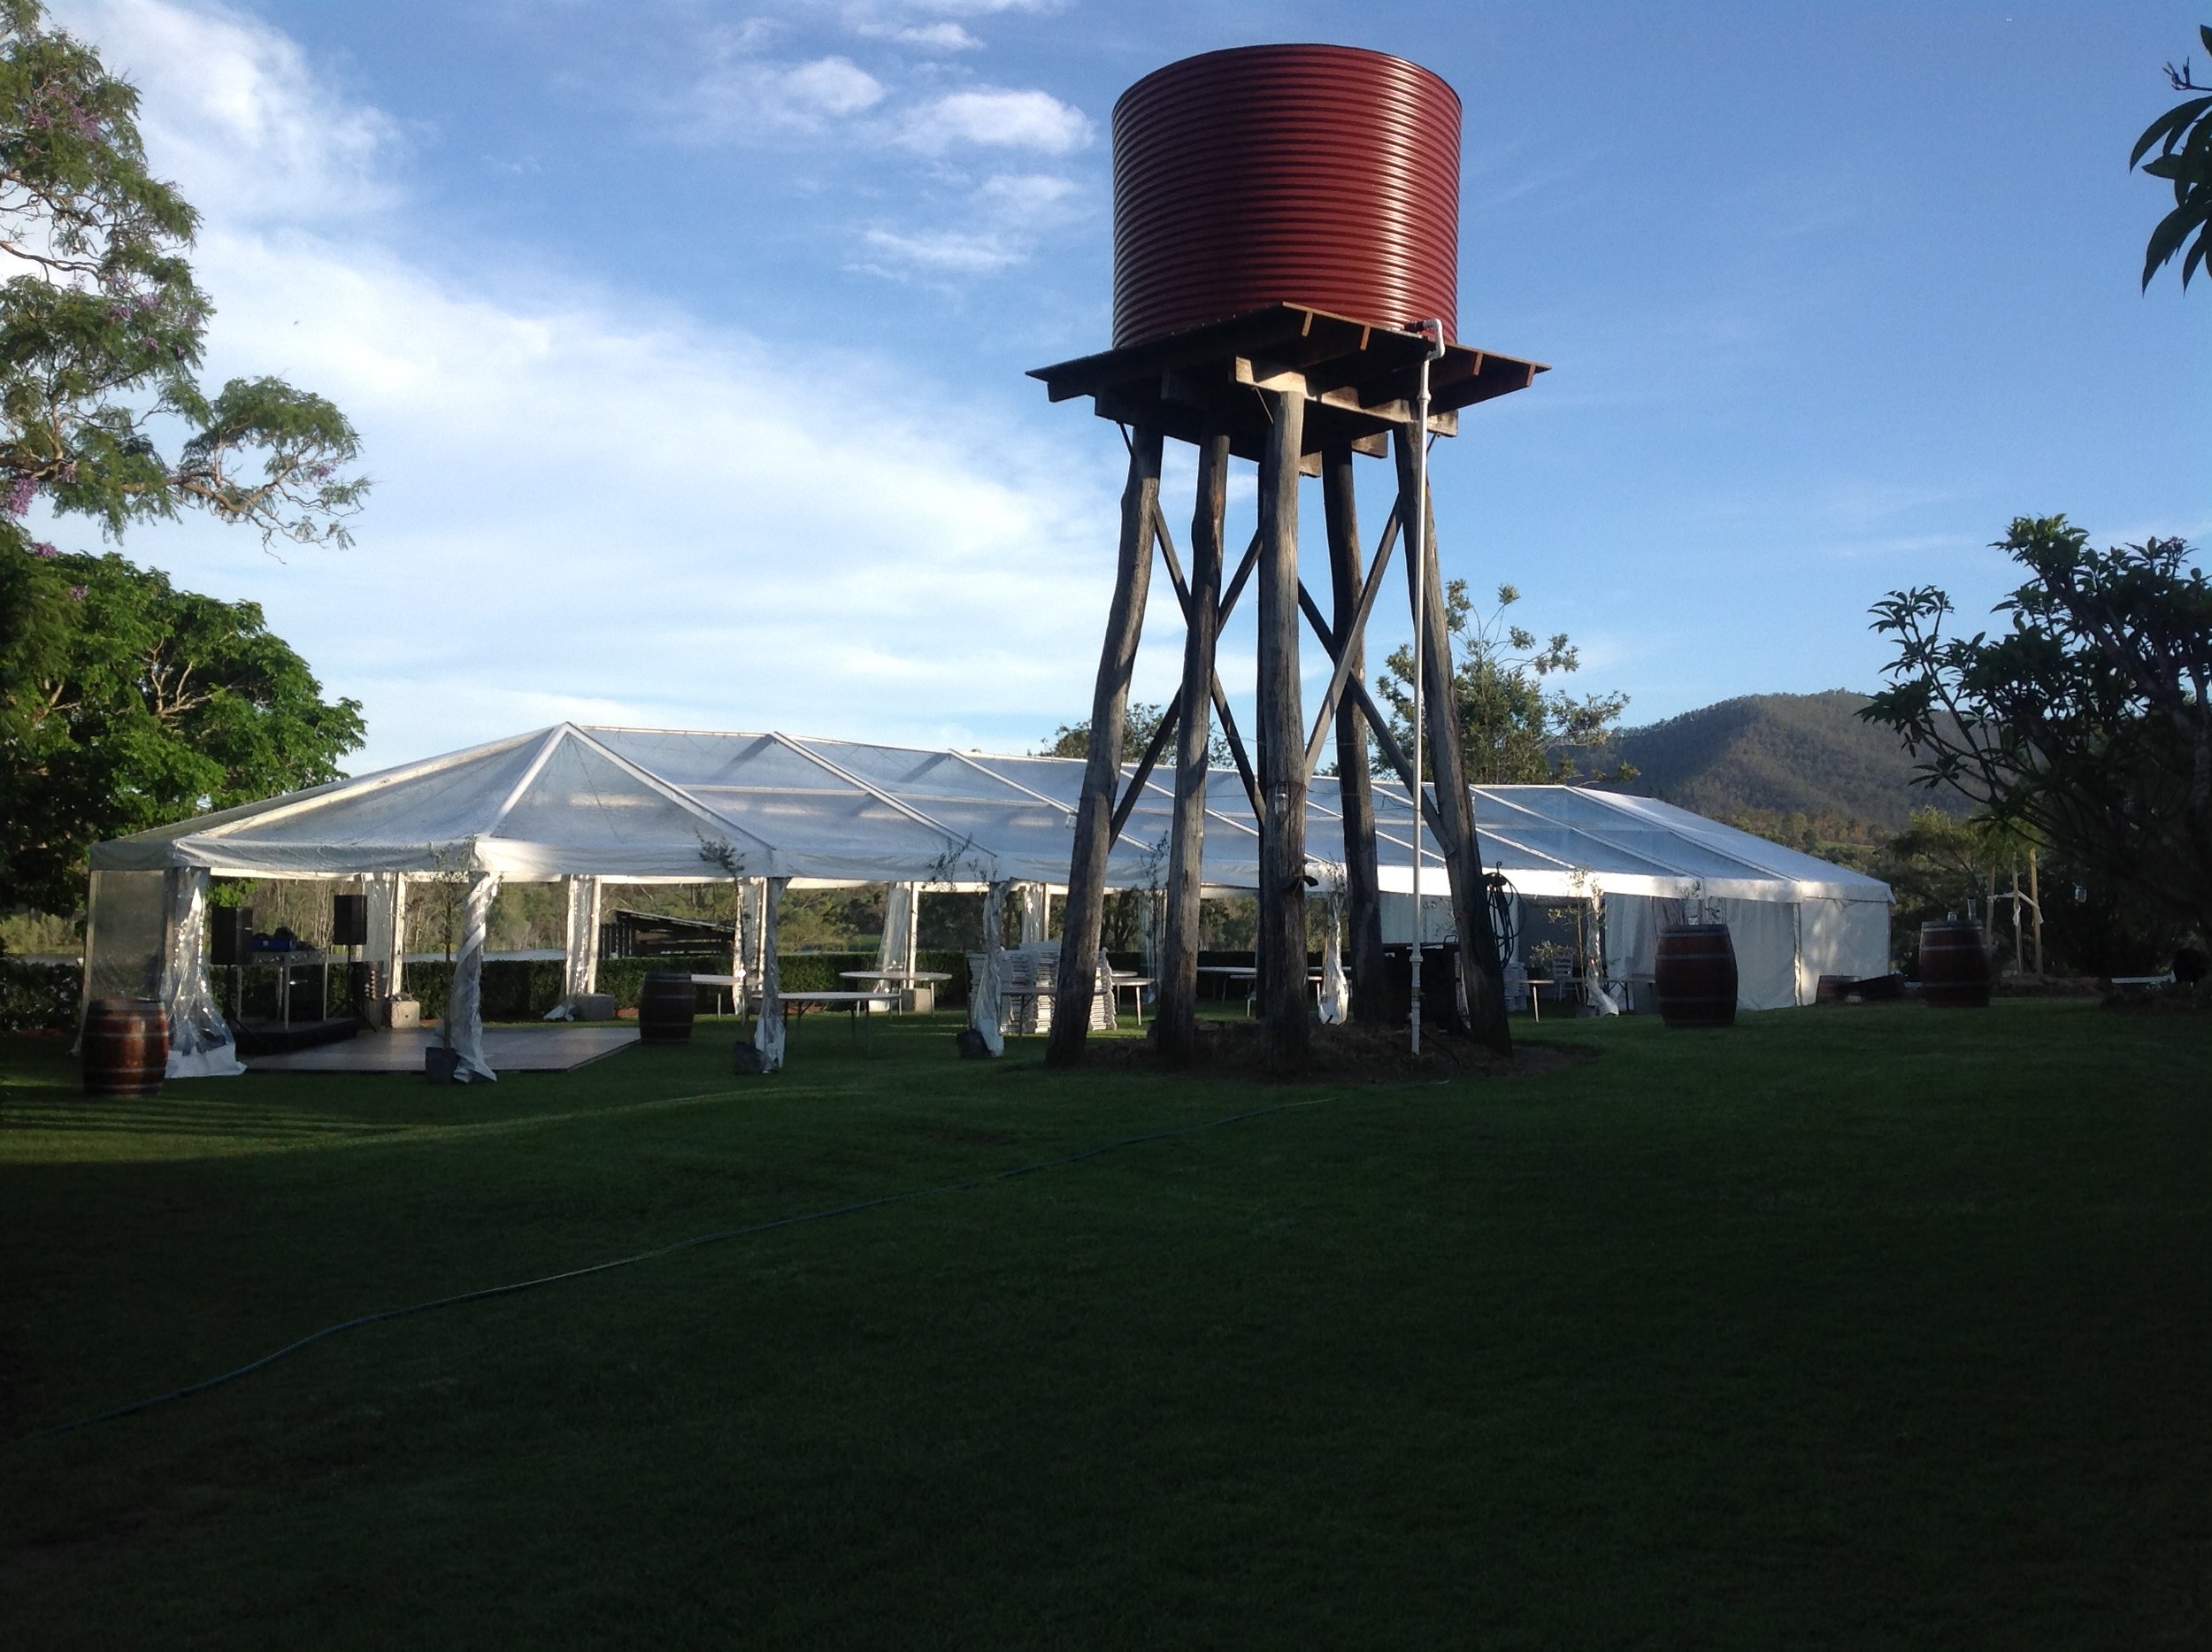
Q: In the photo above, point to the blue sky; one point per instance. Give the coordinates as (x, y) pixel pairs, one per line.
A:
(687, 340)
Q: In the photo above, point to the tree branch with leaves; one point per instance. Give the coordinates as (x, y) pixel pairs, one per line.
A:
(124, 702)
(2086, 721)
(1515, 728)
(2183, 138)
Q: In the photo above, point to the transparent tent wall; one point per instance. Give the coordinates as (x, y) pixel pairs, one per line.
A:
(124, 943)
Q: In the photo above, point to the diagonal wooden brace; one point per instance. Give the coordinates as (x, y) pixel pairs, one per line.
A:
(1342, 653)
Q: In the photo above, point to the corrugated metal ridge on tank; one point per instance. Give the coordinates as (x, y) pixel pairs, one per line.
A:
(1326, 176)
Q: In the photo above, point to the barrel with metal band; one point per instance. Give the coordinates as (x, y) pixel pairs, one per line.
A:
(1693, 977)
(667, 1004)
(1954, 964)
(125, 1047)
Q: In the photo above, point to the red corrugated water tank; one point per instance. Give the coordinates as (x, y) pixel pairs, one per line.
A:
(1317, 175)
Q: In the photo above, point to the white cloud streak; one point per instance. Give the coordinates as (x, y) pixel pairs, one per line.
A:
(997, 119)
(231, 106)
(587, 508)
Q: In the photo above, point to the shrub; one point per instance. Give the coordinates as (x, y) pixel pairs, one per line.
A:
(38, 998)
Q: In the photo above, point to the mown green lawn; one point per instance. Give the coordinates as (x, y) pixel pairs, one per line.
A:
(1850, 1327)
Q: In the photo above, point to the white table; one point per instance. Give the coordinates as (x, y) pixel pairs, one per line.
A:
(1250, 973)
(729, 981)
(907, 978)
(848, 1002)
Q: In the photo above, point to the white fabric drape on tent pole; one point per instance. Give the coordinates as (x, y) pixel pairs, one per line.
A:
(768, 1030)
(388, 929)
(739, 888)
(200, 1044)
(986, 1014)
(580, 949)
(1033, 922)
(464, 996)
(895, 951)
(750, 892)
(1336, 992)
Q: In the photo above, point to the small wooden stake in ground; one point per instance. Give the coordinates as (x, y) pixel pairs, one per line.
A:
(1282, 740)
(1110, 706)
(1356, 788)
(1177, 1029)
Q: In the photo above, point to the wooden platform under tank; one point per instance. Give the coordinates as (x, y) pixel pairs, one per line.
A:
(1358, 379)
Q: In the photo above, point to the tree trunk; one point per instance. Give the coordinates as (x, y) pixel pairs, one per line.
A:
(1110, 705)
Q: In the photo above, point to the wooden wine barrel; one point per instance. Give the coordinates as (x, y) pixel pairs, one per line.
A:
(125, 1047)
(665, 1005)
(1954, 965)
(1694, 975)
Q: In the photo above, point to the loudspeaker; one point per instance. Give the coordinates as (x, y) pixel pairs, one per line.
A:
(228, 929)
(348, 920)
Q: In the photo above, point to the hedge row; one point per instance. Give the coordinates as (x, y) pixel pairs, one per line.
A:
(38, 998)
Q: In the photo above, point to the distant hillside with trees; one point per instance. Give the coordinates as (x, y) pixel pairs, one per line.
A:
(1758, 760)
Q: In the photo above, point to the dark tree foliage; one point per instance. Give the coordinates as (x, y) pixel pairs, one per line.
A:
(1142, 721)
(2183, 138)
(123, 702)
(2084, 723)
(1515, 727)
(142, 704)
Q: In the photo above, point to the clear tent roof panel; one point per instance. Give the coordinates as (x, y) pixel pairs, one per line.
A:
(616, 801)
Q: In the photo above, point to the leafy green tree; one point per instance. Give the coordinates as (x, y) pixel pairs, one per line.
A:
(122, 701)
(1515, 726)
(147, 704)
(2183, 137)
(1074, 739)
(2084, 725)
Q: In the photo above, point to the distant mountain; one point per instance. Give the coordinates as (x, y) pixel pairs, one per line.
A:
(1779, 754)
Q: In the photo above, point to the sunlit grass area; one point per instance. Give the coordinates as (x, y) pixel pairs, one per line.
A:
(1845, 1327)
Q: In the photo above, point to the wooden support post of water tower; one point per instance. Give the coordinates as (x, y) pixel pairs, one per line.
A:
(1281, 952)
(1110, 706)
(1294, 391)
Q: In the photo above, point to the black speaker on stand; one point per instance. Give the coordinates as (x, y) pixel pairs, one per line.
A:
(348, 920)
(229, 929)
(350, 927)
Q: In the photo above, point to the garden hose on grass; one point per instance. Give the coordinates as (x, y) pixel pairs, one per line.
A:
(490, 1291)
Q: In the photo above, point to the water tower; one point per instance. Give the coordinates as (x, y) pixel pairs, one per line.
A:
(1285, 285)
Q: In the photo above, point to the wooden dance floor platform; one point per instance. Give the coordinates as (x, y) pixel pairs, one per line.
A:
(552, 1048)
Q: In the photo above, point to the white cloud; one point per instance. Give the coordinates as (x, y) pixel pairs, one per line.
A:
(741, 95)
(1026, 197)
(1010, 210)
(591, 508)
(922, 36)
(997, 119)
(980, 8)
(234, 106)
(946, 251)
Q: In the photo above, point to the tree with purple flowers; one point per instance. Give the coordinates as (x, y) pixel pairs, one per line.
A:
(103, 416)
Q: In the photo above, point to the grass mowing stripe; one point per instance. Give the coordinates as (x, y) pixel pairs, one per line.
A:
(515, 1288)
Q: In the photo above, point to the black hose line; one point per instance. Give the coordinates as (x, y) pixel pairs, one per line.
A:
(491, 1291)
